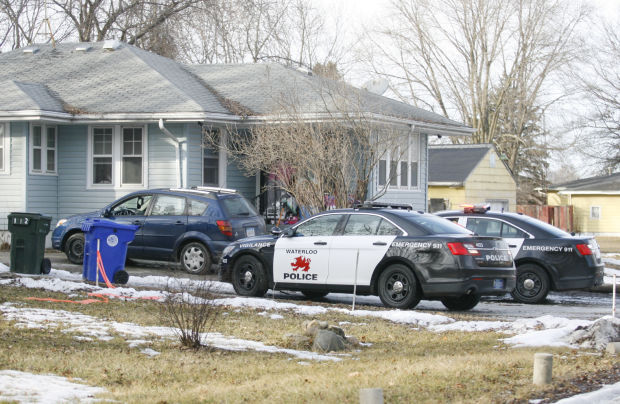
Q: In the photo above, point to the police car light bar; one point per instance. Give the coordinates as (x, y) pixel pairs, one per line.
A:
(478, 208)
(373, 204)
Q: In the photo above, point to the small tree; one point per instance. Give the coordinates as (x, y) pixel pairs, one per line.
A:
(189, 309)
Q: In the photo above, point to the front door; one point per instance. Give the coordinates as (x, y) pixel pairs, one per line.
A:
(132, 211)
(304, 257)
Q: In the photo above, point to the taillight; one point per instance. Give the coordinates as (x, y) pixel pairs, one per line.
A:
(584, 249)
(225, 227)
(462, 249)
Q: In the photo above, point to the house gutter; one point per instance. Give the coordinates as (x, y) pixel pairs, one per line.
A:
(177, 145)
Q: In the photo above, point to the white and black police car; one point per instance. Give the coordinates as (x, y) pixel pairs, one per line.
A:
(391, 251)
(546, 257)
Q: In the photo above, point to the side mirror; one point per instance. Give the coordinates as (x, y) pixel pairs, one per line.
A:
(107, 212)
(290, 232)
(276, 231)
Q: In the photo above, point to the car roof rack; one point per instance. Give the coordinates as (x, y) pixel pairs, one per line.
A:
(206, 190)
(381, 205)
(476, 208)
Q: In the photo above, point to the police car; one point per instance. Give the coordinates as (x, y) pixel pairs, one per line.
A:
(377, 249)
(546, 257)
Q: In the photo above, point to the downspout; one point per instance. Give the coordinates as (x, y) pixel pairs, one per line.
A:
(177, 144)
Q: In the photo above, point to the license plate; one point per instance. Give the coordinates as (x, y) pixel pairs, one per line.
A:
(498, 283)
(250, 231)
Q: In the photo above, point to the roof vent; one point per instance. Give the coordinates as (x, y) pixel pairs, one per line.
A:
(111, 44)
(83, 47)
(30, 49)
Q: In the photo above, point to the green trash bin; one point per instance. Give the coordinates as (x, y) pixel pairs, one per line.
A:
(28, 231)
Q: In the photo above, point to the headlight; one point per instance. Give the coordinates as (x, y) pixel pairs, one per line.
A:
(228, 250)
(61, 222)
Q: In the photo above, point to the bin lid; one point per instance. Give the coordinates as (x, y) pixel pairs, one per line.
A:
(91, 223)
(29, 215)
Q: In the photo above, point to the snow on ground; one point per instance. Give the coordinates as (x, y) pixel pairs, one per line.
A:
(607, 395)
(30, 388)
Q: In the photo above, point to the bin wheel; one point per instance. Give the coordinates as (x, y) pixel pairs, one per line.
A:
(74, 248)
(195, 259)
(46, 266)
(120, 277)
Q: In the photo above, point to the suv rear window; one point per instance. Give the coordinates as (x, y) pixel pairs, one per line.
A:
(238, 206)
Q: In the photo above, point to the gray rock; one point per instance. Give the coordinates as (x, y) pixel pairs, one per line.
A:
(328, 341)
(336, 330)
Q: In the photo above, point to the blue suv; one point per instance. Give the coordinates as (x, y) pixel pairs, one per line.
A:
(191, 226)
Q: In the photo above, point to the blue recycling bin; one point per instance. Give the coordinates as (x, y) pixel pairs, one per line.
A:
(113, 239)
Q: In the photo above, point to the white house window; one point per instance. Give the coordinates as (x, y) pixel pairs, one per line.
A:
(102, 155)
(132, 156)
(213, 162)
(43, 141)
(117, 157)
(595, 212)
(402, 169)
(4, 148)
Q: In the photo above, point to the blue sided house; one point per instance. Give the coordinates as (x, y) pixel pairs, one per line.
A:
(84, 124)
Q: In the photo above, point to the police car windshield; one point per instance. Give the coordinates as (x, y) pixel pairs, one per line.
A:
(433, 224)
(546, 227)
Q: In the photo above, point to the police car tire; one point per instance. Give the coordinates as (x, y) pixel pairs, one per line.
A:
(541, 284)
(249, 277)
(398, 287)
(461, 303)
(311, 294)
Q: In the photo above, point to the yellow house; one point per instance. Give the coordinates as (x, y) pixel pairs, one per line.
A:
(596, 203)
(464, 174)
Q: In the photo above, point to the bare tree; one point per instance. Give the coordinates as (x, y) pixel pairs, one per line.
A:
(23, 22)
(601, 84)
(466, 59)
(324, 160)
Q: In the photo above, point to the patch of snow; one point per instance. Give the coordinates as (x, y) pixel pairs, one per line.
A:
(607, 395)
(149, 352)
(26, 387)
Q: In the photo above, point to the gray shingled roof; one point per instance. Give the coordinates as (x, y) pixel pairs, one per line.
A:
(126, 80)
(454, 163)
(268, 88)
(604, 183)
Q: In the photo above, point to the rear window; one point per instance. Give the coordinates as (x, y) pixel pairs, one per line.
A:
(237, 206)
(546, 227)
(433, 224)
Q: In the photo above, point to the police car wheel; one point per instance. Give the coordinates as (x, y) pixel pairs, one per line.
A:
(248, 277)
(311, 294)
(74, 248)
(532, 284)
(461, 303)
(398, 287)
(195, 259)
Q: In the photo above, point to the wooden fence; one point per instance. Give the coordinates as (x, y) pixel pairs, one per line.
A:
(559, 216)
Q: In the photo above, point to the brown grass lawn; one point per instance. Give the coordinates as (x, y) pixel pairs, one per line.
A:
(410, 365)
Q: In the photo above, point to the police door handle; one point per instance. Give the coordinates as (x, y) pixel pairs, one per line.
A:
(178, 222)
(320, 243)
(138, 222)
(379, 243)
(512, 245)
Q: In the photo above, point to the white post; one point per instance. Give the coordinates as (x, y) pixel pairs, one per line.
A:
(543, 367)
(97, 265)
(357, 260)
(613, 298)
(371, 396)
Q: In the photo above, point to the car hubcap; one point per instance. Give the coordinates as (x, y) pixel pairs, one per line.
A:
(248, 277)
(77, 248)
(529, 285)
(397, 287)
(194, 258)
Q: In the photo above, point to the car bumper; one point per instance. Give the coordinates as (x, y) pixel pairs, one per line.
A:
(57, 240)
(495, 282)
